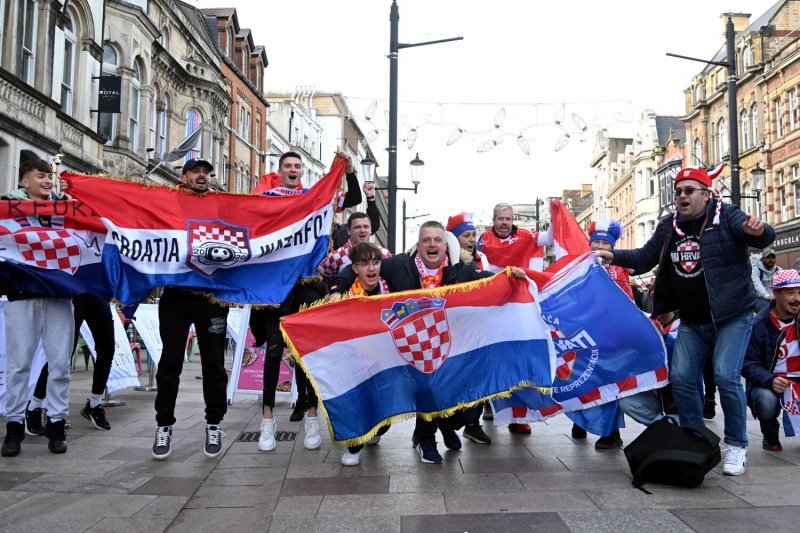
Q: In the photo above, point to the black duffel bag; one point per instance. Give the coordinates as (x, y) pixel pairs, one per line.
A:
(671, 454)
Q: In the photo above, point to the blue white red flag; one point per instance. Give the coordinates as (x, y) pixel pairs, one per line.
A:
(606, 348)
(791, 410)
(52, 248)
(241, 248)
(375, 359)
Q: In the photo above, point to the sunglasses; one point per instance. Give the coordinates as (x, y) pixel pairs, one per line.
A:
(688, 190)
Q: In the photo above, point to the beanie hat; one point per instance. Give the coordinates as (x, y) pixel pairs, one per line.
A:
(605, 230)
(458, 224)
(698, 174)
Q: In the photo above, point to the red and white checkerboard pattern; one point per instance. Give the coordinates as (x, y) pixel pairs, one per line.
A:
(424, 342)
(50, 249)
(340, 258)
(235, 237)
(689, 246)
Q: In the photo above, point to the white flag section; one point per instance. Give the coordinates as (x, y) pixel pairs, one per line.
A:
(39, 359)
(123, 372)
(146, 324)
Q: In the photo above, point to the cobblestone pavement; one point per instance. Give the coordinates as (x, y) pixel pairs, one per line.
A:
(107, 481)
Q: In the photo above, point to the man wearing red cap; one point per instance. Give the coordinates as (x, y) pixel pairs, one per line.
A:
(704, 272)
(772, 359)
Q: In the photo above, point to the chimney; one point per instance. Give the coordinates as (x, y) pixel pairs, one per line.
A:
(740, 21)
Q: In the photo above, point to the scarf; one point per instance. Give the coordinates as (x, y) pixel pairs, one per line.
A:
(716, 194)
(429, 281)
(357, 290)
(285, 191)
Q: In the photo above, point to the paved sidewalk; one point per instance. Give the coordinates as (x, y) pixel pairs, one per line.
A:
(107, 481)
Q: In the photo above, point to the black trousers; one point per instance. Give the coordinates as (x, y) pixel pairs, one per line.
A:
(265, 325)
(426, 429)
(97, 314)
(177, 311)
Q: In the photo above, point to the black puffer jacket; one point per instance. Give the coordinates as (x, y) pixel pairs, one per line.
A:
(723, 252)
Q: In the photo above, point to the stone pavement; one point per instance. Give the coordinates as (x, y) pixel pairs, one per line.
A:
(107, 481)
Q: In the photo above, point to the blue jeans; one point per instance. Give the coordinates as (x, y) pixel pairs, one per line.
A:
(725, 344)
(766, 406)
(644, 407)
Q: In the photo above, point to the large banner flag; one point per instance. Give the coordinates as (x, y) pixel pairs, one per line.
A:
(242, 248)
(52, 248)
(606, 348)
(429, 352)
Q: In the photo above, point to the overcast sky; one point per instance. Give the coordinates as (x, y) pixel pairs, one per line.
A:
(605, 61)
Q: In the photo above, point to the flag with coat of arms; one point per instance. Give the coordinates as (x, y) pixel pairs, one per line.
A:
(791, 410)
(240, 248)
(606, 349)
(428, 352)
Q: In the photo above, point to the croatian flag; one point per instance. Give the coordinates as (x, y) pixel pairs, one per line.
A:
(52, 248)
(424, 351)
(606, 348)
(791, 410)
(241, 248)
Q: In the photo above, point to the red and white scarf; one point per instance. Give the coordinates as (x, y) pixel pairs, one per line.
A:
(286, 191)
(429, 281)
(340, 258)
(787, 363)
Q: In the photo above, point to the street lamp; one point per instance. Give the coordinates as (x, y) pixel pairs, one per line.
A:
(394, 48)
(409, 218)
(367, 164)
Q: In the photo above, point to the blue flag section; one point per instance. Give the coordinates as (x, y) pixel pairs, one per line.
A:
(606, 348)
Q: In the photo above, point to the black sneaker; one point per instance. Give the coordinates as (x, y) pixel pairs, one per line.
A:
(427, 451)
(299, 412)
(163, 444)
(609, 442)
(56, 437)
(578, 432)
(488, 414)
(450, 439)
(475, 433)
(709, 409)
(15, 434)
(772, 444)
(95, 415)
(213, 445)
(33, 421)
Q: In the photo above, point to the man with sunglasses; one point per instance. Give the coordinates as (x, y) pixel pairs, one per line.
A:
(704, 272)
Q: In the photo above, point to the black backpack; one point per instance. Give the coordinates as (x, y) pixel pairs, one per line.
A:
(668, 453)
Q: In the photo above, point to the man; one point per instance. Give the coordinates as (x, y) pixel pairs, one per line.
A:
(704, 269)
(772, 358)
(178, 309)
(265, 323)
(763, 271)
(359, 229)
(427, 268)
(30, 318)
(504, 244)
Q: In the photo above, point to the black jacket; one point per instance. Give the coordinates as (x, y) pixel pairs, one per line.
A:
(401, 274)
(762, 351)
(725, 257)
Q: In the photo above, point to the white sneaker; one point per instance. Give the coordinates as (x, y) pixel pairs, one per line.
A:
(735, 461)
(351, 459)
(266, 442)
(374, 440)
(313, 440)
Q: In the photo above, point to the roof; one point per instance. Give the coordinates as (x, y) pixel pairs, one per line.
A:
(670, 127)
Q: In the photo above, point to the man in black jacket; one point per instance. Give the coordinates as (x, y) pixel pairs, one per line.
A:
(427, 268)
(772, 358)
(704, 272)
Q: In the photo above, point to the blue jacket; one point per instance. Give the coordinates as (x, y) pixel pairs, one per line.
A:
(762, 351)
(725, 258)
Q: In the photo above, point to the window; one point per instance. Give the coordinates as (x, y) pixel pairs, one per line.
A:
(698, 92)
(650, 179)
(2, 23)
(192, 123)
(223, 176)
(152, 124)
(754, 129)
(108, 121)
(793, 111)
(796, 198)
(134, 102)
(29, 23)
(795, 172)
(722, 136)
(248, 132)
(229, 42)
(698, 150)
(162, 125)
(778, 118)
(245, 55)
(68, 76)
(780, 178)
(747, 56)
(164, 38)
(782, 204)
(744, 120)
(258, 134)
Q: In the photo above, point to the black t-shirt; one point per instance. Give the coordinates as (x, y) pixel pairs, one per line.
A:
(688, 277)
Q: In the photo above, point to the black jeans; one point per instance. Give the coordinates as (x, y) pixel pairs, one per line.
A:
(426, 429)
(177, 311)
(97, 314)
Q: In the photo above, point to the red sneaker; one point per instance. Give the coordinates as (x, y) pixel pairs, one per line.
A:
(520, 429)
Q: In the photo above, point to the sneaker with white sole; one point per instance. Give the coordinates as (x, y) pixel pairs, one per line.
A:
(213, 445)
(266, 442)
(312, 440)
(735, 461)
(162, 446)
(351, 459)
